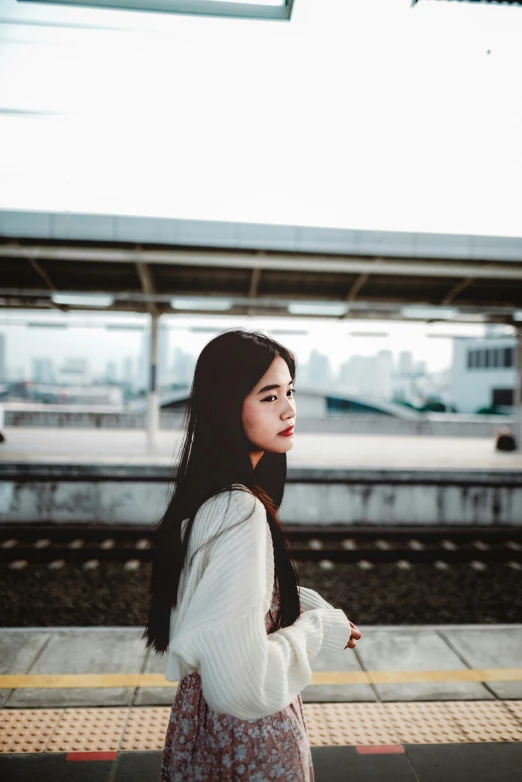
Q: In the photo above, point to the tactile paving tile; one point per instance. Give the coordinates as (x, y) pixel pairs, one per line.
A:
(26, 730)
(485, 721)
(88, 730)
(146, 728)
(515, 707)
(358, 723)
(316, 725)
(424, 723)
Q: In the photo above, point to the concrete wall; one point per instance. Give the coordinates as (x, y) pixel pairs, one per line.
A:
(139, 494)
(443, 425)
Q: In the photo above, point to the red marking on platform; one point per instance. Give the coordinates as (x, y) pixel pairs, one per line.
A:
(380, 749)
(91, 756)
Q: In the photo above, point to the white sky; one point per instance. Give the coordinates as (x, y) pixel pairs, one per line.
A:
(363, 114)
(356, 114)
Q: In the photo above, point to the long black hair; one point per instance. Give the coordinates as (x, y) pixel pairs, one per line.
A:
(214, 455)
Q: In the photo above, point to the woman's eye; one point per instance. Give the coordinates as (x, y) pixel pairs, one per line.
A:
(273, 396)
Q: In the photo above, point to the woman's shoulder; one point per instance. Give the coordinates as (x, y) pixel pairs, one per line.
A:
(235, 503)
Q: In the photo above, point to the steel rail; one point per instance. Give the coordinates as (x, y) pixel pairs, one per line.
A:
(71, 543)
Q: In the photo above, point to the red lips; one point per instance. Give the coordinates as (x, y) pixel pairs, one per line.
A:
(288, 431)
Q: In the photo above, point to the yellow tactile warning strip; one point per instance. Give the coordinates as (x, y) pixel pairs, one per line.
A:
(145, 728)
(365, 723)
(27, 731)
(88, 730)
(328, 724)
(88, 680)
(425, 723)
(487, 721)
(515, 707)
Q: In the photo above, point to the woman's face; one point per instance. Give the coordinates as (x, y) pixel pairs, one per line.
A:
(266, 412)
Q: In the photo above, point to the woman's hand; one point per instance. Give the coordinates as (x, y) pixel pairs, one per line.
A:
(355, 635)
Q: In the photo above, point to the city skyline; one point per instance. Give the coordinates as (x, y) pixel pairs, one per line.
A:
(468, 384)
(376, 372)
(338, 341)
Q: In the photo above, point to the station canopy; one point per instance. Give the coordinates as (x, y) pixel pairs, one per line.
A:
(70, 262)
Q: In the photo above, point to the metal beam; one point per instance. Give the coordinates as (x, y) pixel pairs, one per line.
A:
(147, 286)
(276, 261)
(52, 287)
(254, 283)
(265, 302)
(369, 311)
(354, 290)
(43, 274)
(356, 287)
(457, 290)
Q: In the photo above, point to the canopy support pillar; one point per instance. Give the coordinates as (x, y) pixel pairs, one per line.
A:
(517, 390)
(153, 395)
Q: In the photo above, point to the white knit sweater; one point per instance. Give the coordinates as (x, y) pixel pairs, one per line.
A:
(218, 625)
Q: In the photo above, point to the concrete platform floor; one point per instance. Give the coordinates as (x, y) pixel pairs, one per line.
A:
(415, 704)
(110, 666)
(117, 446)
(407, 763)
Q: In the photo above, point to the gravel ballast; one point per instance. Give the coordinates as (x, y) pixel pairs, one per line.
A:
(37, 596)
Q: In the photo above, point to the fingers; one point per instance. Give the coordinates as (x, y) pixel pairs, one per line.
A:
(355, 636)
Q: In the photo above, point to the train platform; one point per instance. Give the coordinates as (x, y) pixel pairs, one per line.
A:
(48, 445)
(409, 703)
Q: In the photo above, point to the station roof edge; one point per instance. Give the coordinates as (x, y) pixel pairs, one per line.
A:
(247, 236)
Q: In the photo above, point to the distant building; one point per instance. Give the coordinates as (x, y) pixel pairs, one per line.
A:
(358, 375)
(74, 372)
(111, 373)
(483, 373)
(182, 368)
(127, 371)
(16, 374)
(43, 370)
(367, 376)
(405, 366)
(384, 372)
(316, 372)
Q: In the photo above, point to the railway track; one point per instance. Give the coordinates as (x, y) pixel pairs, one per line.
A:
(27, 544)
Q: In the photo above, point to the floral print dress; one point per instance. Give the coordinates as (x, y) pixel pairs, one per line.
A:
(204, 746)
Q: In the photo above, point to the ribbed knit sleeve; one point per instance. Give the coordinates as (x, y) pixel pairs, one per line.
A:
(310, 599)
(245, 672)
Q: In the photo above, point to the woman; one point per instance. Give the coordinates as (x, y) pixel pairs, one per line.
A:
(225, 605)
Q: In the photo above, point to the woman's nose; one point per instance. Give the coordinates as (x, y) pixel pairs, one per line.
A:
(290, 405)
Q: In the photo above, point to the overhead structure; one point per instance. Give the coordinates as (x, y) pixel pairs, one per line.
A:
(243, 9)
(72, 262)
(120, 263)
